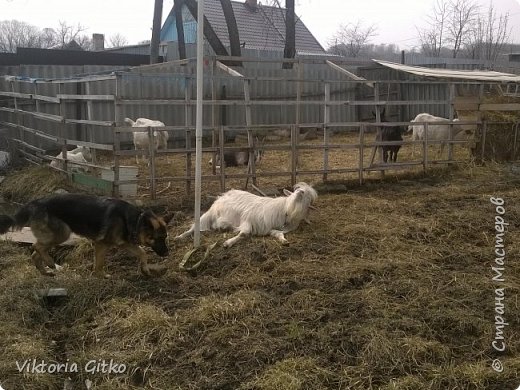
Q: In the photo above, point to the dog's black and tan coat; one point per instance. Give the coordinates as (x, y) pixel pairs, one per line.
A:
(108, 222)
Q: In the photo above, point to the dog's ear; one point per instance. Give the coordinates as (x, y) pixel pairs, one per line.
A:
(168, 217)
(287, 192)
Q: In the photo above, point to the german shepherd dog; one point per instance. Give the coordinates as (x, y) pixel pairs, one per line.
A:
(108, 222)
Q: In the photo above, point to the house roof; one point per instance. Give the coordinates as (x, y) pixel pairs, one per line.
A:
(452, 74)
(263, 28)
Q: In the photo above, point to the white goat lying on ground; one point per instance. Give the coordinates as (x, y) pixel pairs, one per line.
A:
(258, 215)
(438, 130)
(81, 154)
(141, 139)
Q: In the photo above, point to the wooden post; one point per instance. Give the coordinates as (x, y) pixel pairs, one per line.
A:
(151, 161)
(294, 153)
(63, 131)
(425, 148)
(483, 146)
(515, 140)
(378, 131)
(251, 166)
(450, 133)
(117, 149)
(17, 116)
(187, 123)
(37, 108)
(90, 117)
(299, 65)
(117, 136)
(326, 121)
(361, 151)
(215, 131)
(221, 156)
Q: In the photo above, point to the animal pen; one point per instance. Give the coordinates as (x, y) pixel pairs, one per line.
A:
(339, 101)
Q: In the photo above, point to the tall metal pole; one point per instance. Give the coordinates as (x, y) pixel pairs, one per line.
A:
(198, 119)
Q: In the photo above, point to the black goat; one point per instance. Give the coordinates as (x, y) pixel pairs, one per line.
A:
(390, 133)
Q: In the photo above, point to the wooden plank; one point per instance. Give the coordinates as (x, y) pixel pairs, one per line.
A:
(16, 94)
(26, 236)
(500, 107)
(79, 79)
(86, 97)
(89, 122)
(228, 70)
(28, 146)
(49, 117)
(44, 98)
(348, 74)
(177, 102)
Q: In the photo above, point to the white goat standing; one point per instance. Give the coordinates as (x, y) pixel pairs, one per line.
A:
(438, 130)
(258, 215)
(141, 139)
(81, 154)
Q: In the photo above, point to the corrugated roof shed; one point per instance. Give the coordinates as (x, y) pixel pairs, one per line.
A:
(452, 74)
(263, 28)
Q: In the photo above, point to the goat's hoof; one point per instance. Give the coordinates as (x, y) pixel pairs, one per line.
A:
(227, 244)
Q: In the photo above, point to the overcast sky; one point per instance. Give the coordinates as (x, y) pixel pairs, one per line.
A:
(395, 20)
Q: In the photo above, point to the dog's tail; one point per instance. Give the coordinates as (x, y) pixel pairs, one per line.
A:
(20, 219)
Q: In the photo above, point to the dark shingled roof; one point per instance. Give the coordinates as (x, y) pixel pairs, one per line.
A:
(263, 28)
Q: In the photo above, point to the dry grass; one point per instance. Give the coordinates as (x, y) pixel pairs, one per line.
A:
(390, 288)
(30, 183)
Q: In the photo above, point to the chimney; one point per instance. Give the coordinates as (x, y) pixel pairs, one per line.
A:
(251, 4)
(98, 41)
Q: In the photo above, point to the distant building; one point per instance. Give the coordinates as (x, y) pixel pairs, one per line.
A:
(259, 27)
(30, 56)
(514, 57)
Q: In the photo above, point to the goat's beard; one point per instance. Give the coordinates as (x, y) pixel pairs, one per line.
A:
(296, 212)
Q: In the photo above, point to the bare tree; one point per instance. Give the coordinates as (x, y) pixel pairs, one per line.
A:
(231, 22)
(117, 40)
(177, 10)
(351, 38)
(209, 33)
(432, 38)
(449, 25)
(14, 33)
(490, 36)
(156, 32)
(290, 33)
(48, 38)
(66, 33)
(464, 14)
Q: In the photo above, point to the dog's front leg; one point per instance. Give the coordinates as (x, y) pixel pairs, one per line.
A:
(41, 255)
(99, 261)
(141, 255)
